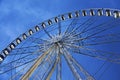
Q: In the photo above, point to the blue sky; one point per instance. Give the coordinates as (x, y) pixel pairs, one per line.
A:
(17, 16)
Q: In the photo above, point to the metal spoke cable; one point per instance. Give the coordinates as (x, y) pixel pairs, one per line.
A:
(81, 25)
(20, 71)
(105, 25)
(104, 71)
(59, 26)
(15, 61)
(89, 77)
(52, 69)
(99, 55)
(51, 62)
(75, 73)
(85, 26)
(59, 73)
(99, 37)
(5, 64)
(17, 66)
(99, 68)
(47, 33)
(38, 61)
(73, 23)
(24, 50)
(38, 40)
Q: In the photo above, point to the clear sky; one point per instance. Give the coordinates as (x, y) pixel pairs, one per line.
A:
(17, 16)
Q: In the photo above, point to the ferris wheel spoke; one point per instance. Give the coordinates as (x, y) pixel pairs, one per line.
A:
(46, 71)
(96, 33)
(54, 62)
(74, 71)
(38, 40)
(83, 27)
(47, 63)
(105, 37)
(88, 22)
(52, 69)
(84, 24)
(15, 67)
(59, 66)
(99, 54)
(59, 26)
(59, 76)
(13, 77)
(101, 43)
(21, 59)
(13, 61)
(52, 28)
(70, 26)
(47, 33)
(86, 74)
(117, 61)
(87, 26)
(51, 59)
(100, 28)
(35, 65)
(25, 50)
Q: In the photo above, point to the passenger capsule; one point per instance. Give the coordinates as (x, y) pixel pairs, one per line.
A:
(18, 40)
(84, 13)
(1, 58)
(24, 36)
(70, 15)
(6, 51)
(108, 12)
(92, 13)
(12, 46)
(63, 18)
(100, 12)
(116, 14)
(49, 22)
(37, 28)
(43, 25)
(56, 19)
(30, 32)
(77, 14)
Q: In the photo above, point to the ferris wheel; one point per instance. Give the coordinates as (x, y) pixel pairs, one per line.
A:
(55, 48)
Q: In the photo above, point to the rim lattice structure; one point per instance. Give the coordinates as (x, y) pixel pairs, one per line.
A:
(62, 42)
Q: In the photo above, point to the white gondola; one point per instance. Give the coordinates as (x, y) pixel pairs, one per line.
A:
(116, 14)
(77, 14)
(30, 32)
(6, 51)
(49, 22)
(1, 58)
(92, 13)
(84, 13)
(18, 40)
(108, 12)
(12, 46)
(24, 36)
(100, 12)
(70, 15)
(43, 25)
(37, 28)
(63, 18)
(56, 19)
